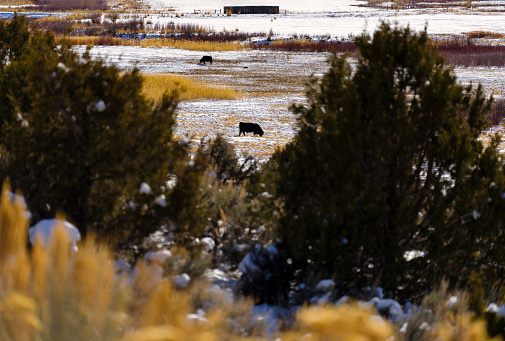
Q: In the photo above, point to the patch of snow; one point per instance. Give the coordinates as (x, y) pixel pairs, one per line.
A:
(425, 326)
(161, 201)
(413, 254)
(182, 280)
(325, 299)
(325, 285)
(208, 243)
(44, 230)
(132, 205)
(272, 251)
(100, 106)
(197, 319)
(452, 301)
(268, 315)
(492, 308)
(499, 311)
(391, 309)
(158, 257)
(63, 67)
(379, 292)
(171, 182)
(342, 300)
(248, 266)
(145, 189)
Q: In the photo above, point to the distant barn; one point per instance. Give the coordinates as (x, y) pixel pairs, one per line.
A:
(251, 9)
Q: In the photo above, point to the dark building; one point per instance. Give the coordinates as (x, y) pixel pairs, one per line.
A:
(251, 9)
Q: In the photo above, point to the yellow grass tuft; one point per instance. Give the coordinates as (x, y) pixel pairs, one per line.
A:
(189, 90)
(343, 323)
(15, 2)
(156, 42)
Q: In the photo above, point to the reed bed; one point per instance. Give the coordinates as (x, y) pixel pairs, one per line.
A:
(472, 55)
(189, 90)
(305, 45)
(155, 42)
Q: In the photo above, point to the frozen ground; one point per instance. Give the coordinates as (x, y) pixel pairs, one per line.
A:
(271, 82)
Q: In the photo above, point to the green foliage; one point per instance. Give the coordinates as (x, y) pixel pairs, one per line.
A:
(386, 161)
(15, 41)
(79, 137)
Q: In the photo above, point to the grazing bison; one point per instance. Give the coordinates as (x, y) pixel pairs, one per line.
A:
(206, 59)
(250, 128)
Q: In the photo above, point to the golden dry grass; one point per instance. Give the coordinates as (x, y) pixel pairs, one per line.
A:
(155, 84)
(15, 2)
(157, 42)
(51, 293)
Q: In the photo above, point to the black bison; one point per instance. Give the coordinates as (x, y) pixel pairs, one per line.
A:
(250, 128)
(206, 59)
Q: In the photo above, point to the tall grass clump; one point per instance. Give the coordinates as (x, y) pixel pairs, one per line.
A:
(194, 45)
(156, 84)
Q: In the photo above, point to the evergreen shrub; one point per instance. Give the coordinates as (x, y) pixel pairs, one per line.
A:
(387, 161)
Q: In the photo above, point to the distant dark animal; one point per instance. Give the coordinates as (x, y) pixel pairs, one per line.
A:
(206, 59)
(250, 128)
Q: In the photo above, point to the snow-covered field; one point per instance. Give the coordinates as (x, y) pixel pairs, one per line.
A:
(337, 18)
(272, 81)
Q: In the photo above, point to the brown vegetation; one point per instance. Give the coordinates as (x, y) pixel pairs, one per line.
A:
(305, 45)
(472, 55)
(497, 113)
(64, 5)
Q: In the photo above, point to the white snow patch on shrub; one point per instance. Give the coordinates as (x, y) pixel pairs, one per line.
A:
(391, 308)
(247, 266)
(182, 280)
(161, 201)
(413, 254)
(100, 106)
(158, 257)
(452, 301)
(63, 67)
(208, 243)
(325, 285)
(197, 319)
(145, 188)
(44, 230)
